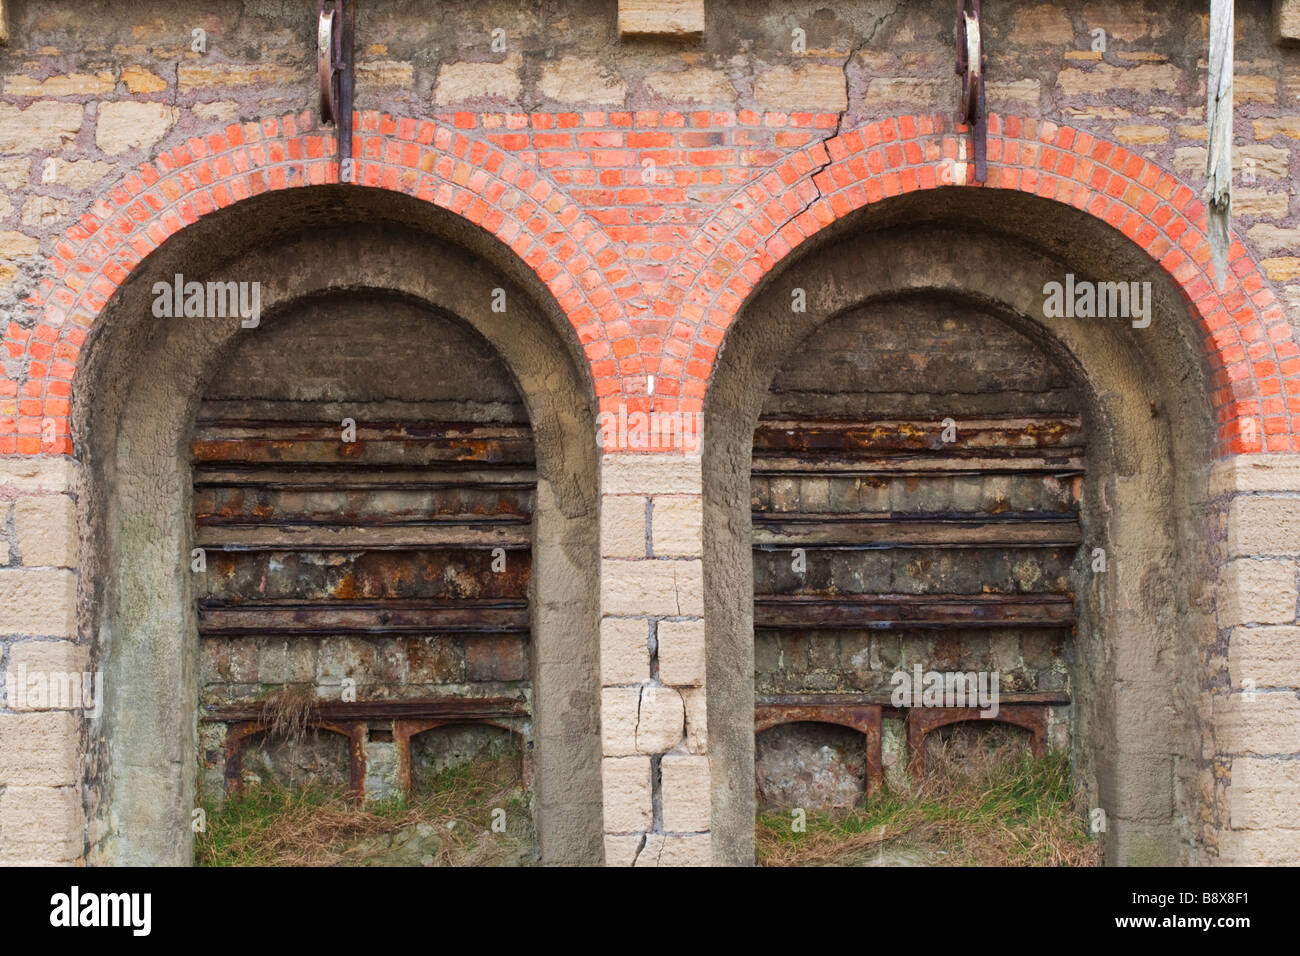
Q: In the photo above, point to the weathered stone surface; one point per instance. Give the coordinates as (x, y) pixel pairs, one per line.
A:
(44, 210)
(40, 824)
(1045, 24)
(1257, 592)
(15, 245)
(1270, 238)
(626, 786)
(38, 750)
(810, 766)
(681, 652)
(1265, 793)
(29, 475)
(46, 526)
(686, 805)
(1253, 88)
(619, 711)
(808, 86)
(1275, 847)
(1103, 79)
(623, 526)
(695, 700)
(1024, 92)
(1142, 134)
(60, 669)
(660, 721)
(669, 18)
(38, 602)
(573, 79)
(677, 527)
(1123, 21)
(40, 126)
(643, 719)
(222, 111)
(123, 126)
(1263, 525)
(76, 174)
(621, 850)
(666, 587)
(1288, 126)
(68, 84)
(1281, 268)
(139, 79)
(624, 651)
(464, 82)
(905, 90)
(1286, 22)
(1260, 202)
(15, 172)
(1268, 723)
(629, 474)
(1269, 656)
(1149, 793)
(1266, 162)
(388, 73)
(694, 85)
(676, 849)
(200, 76)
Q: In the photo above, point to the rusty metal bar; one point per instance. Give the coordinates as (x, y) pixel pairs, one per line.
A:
(994, 436)
(879, 531)
(472, 533)
(397, 616)
(449, 477)
(424, 708)
(913, 446)
(404, 444)
(836, 700)
(884, 611)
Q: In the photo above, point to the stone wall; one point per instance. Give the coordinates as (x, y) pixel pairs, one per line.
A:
(651, 185)
(1253, 675)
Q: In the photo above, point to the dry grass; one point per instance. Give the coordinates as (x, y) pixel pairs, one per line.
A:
(286, 713)
(312, 826)
(997, 807)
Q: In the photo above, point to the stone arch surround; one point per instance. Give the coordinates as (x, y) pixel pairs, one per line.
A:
(1140, 712)
(136, 597)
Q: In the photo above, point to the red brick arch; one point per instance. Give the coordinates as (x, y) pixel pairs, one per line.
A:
(431, 161)
(461, 164)
(1248, 343)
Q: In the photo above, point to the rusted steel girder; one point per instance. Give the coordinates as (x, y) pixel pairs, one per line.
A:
(354, 721)
(922, 720)
(408, 444)
(890, 611)
(782, 530)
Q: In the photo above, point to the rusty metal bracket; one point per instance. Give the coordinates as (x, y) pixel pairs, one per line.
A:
(970, 67)
(922, 720)
(829, 709)
(335, 28)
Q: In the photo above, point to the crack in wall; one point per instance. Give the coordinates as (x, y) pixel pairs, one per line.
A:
(639, 847)
(839, 119)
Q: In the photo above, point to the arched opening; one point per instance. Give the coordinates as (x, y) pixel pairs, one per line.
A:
(806, 764)
(1074, 436)
(390, 478)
